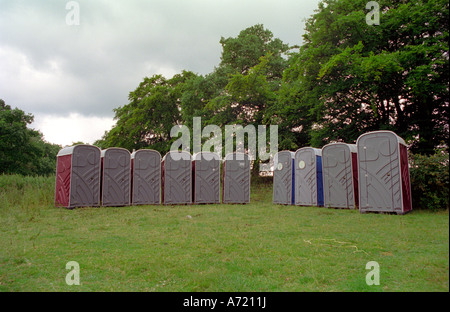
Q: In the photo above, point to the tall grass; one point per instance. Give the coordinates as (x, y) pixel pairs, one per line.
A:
(25, 196)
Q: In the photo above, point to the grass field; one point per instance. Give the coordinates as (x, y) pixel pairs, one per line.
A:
(254, 247)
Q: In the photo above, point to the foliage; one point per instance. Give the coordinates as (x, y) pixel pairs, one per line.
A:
(346, 78)
(23, 150)
(242, 53)
(238, 91)
(24, 196)
(146, 121)
(349, 77)
(430, 180)
(248, 77)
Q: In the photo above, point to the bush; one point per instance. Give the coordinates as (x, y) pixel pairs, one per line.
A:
(430, 180)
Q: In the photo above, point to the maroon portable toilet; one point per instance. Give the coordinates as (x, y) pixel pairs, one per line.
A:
(146, 177)
(78, 176)
(176, 181)
(116, 177)
(384, 183)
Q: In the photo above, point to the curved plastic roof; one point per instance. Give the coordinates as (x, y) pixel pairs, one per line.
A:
(351, 147)
(317, 151)
(111, 149)
(286, 151)
(177, 155)
(144, 151)
(399, 139)
(68, 150)
(275, 158)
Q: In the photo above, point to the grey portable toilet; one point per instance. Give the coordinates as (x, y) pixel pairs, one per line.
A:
(146, 177)
(206, 178)
(340, 175)
(284, 178)
(308, 177)
(78, 176)
(384, 183)
(116, 177)
(177, 178)
(236, 179)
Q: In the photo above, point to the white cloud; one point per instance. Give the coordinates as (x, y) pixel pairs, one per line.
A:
(36, 89)
(62, 73)
(65, 130)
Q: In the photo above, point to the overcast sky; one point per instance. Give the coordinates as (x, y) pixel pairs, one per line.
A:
(71, 77)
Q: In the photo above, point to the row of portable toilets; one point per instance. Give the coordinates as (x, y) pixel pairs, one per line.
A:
(372, 175)
(88, 176)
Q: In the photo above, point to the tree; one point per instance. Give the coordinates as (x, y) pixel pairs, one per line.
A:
(253, 64)
(239, 90)
(248, 77)
(153, 110)
(349, 77)
(243, 86)
(23, 150)
(242, 53)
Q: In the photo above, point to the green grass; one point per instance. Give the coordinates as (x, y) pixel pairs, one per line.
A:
(254, 247)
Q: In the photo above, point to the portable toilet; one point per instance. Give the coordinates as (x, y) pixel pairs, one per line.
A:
(284, 178)
(308, 177)
(116, 177)
(78, 176)
(384, 183)
(146, 177)
(236, 179)
(177, 178)
(206, 178)
(340, 175)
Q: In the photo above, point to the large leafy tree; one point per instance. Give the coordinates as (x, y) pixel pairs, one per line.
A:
(350, 77)
(23, 150)
(238, 91)
(153, 110)
(243, 84)
(253, 64)
(242, 53)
